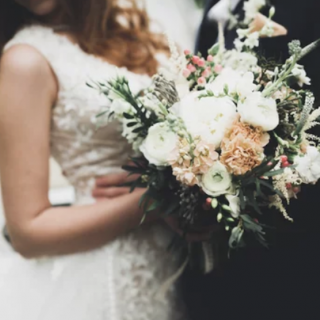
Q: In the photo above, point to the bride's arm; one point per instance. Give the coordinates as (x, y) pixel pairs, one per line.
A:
(28, 90)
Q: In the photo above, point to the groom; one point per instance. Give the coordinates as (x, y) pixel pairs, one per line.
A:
(279, 283)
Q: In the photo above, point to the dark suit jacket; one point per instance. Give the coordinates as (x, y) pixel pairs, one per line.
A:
(300, 17)
(282, 282)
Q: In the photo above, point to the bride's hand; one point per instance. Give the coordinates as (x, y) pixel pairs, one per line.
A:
(110, 186)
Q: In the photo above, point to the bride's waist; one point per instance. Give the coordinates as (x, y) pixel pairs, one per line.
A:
(83, 181)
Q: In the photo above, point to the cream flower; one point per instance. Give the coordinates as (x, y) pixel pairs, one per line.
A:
(159, 144)
(301, 75)
(259, 111)
(308, 166)
(234, 204)
(236, 82)
(217, 181)
(207, 117)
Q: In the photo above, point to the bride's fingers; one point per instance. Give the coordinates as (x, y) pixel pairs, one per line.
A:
(110, 192)
(116, 179)
(113, 179)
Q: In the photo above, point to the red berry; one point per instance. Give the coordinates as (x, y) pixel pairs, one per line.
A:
(288, 185)
(284, 158)
(208, 201)
(285, 164)
(296, 189)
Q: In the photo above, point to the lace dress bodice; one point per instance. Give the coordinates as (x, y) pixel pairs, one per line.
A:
(81, 148)
(119, 281)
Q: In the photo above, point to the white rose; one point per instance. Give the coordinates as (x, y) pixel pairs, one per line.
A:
(259, 111)
(308, 166)
(208, 117)
(217, 181)
(301, 75)
(237, 83)
(159, 144)
(234, 204)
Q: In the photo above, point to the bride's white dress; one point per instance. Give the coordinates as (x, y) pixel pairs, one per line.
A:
(119, 281)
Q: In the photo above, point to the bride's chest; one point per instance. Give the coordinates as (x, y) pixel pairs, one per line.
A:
(80, 101)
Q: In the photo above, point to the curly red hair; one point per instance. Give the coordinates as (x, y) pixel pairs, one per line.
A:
(121, 34)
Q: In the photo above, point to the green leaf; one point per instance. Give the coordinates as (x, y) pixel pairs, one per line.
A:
(131, 124)
(278, 172)
(258, 187)
(214, 49)
(172, 208)
(101, 114)
(242, 201)
(128, 116)
(153, 206)
(137, 130)
(270, 187)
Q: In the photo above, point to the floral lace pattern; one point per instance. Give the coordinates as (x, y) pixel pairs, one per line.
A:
(119, 281)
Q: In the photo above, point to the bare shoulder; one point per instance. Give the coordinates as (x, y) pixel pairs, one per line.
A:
(24, 62)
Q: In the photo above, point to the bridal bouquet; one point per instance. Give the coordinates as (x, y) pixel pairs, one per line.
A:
(221, 139)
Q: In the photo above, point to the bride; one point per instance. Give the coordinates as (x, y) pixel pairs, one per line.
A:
(88, 261)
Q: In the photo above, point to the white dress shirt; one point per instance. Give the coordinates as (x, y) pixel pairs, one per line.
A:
(221, 11)
(180, 19)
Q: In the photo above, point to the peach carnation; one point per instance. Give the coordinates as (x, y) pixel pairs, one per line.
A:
(242, 148)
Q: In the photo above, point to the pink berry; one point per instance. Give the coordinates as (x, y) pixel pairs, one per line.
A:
(201, 63)
(210, 58)
(288, 186)
(187, 52)
(206, 73)
(218, 68)
(285, 164)
(195, 59)
(270, 163)
(202, 81)
(208, 201)
(191, 67)
(284, 158)
(186, 73)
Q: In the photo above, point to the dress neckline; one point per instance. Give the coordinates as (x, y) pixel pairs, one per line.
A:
(76, 46)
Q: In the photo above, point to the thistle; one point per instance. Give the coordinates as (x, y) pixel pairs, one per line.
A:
(308, 106)
(165, 90)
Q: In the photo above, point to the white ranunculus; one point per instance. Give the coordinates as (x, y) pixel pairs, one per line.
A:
(237, 83)
(234, 204)
(301, 75)
(259, 111)
(217, 181)
(308, 166)
(207, 117)
(159, 144)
